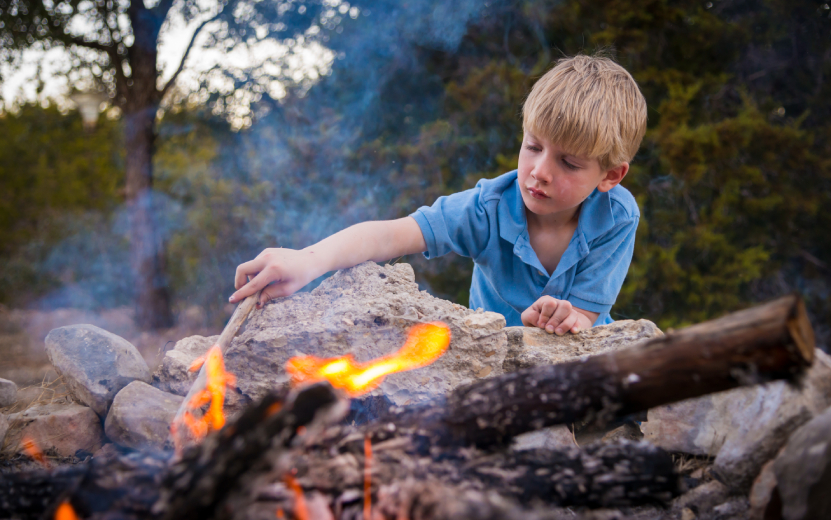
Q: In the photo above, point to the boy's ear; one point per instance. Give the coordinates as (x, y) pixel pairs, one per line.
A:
(613, 177)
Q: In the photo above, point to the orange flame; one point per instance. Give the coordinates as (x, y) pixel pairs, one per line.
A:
(33, 451)
(65, 512)
(301, 512)
(217, 380)
(367, 477)
(425, 343)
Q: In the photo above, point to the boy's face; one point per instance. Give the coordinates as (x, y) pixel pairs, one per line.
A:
(555, 182)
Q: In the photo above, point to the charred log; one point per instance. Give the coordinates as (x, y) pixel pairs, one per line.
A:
(124, 482)
(200, 481)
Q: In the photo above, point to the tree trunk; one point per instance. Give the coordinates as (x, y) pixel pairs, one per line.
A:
(147, 249)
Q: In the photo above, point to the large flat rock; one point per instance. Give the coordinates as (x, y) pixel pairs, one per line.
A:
(530, 346)
(140, 417)
(365, 311)
(96, 363)
(744, 427)
(59, 428)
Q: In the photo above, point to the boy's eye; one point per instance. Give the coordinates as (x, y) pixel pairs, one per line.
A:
(570, 166)
(532, 147)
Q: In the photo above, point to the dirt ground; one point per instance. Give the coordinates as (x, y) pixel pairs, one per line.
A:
(22, 332)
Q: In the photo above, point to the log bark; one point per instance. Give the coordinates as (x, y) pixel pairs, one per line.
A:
(771, 341)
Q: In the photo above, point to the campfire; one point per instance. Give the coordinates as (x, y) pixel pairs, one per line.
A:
(299, 453)
(425, 343)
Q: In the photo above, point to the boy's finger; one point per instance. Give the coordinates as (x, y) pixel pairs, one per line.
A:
(562, 312)
(257, 283)
(566, 324)
(246, 269)
(275, 290)
(530, 317)
(548, 309)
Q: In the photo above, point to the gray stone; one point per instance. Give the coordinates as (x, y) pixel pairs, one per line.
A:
(734, 509)
(548, 438)
(803, 471)
(96, 363)
(8, 393)
(703, 498)
(58, 428)
(140, 416)
(530, 346)
(744, 427)
(174, 375)
(4, 427)
(365, 311)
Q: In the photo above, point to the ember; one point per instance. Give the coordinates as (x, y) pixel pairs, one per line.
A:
(218, 380)
(301, 512)
(33, 451)
(65, 512)
(425, 343)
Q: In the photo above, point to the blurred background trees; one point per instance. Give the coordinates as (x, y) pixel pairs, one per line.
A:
(113, 46)
(424, 99)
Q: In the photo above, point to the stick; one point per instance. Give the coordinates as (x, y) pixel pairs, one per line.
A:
(237, 319)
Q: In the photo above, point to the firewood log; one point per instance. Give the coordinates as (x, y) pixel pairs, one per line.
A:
(771, 341)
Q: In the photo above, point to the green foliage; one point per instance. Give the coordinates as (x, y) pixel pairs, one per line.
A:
(52, 174)
(732, 176)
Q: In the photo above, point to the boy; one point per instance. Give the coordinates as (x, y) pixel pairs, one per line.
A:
(551, 241)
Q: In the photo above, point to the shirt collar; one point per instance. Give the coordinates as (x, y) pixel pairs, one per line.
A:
(595, 218)
(511, 213)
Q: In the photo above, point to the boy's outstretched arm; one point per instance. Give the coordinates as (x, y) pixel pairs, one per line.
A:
(284, 271)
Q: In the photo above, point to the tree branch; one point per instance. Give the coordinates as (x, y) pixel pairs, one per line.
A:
(98, 46)
(181, 66)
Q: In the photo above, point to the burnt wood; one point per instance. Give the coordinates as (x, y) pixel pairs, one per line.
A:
(201, 480)
(771, 341)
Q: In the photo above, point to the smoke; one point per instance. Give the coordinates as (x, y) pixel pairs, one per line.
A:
(290, 179)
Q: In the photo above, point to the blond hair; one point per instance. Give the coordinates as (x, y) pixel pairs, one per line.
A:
(591, 107)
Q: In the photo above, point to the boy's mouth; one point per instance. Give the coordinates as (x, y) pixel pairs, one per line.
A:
(537, 194)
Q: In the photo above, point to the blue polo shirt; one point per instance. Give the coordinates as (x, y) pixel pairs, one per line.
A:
(487, 223)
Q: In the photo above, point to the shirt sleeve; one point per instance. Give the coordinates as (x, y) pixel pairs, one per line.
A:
(457, 223)
(600, 275)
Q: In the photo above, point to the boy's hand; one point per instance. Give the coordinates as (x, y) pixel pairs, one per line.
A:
(556, 316)
(281, 271)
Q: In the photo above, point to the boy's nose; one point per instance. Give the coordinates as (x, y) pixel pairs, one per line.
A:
(540, 176)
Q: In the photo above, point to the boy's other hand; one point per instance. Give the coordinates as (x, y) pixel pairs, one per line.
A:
(279, 272)
(556, 316)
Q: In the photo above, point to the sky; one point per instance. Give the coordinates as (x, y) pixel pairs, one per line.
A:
(311, 61)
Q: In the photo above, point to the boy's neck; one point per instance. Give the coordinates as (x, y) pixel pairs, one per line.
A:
(553, 221)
